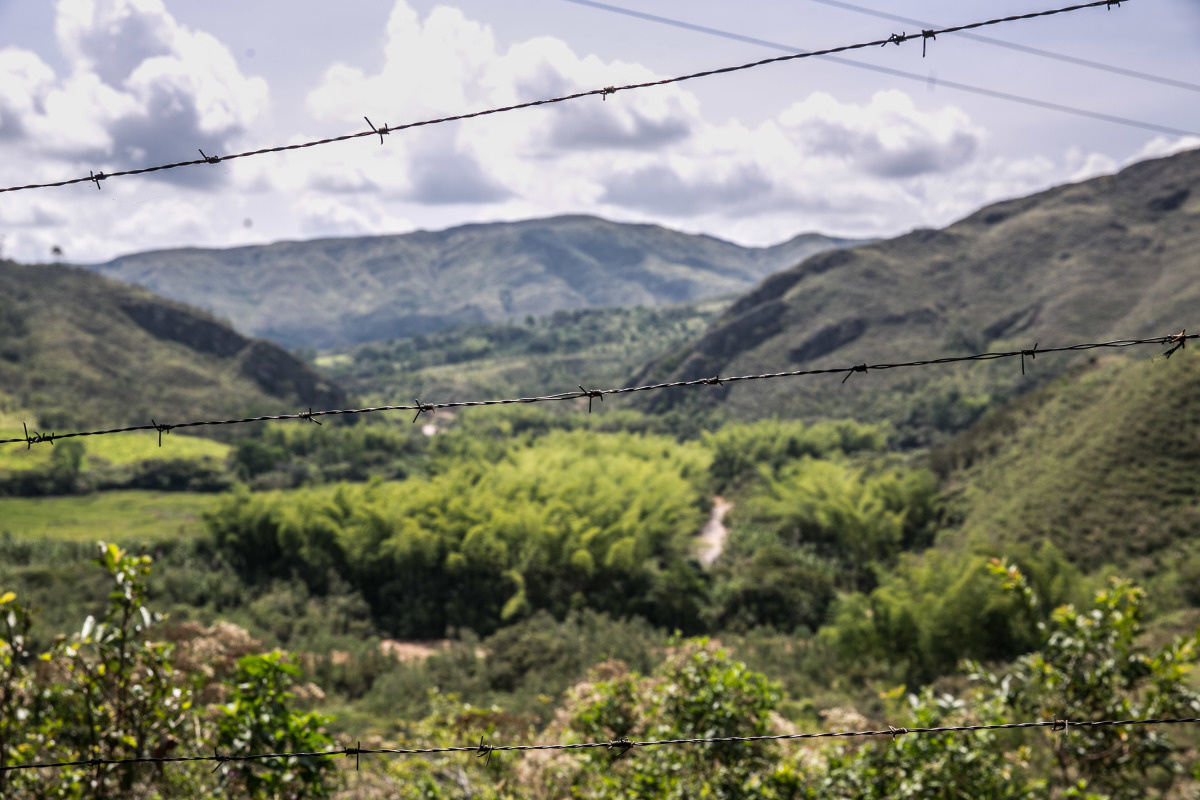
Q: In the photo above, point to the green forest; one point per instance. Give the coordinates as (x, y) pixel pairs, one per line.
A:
(523, 576)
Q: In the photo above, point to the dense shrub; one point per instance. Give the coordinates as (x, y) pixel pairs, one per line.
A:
(572, 520)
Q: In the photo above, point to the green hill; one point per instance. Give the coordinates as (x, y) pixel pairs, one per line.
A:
(596, 346)
(335, 292)
(1113, 257)
(78, 349)
(1101, 463)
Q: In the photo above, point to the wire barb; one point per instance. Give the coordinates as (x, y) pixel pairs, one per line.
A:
(606, 91)
(591, 393)
(1177, 342)
(623, 744)
(163, 428)
(851, 370)
(1060, 725)
(925, 37)
(381, 131)
(308, 415)
(209, 159)
(96, 177)
(220, 759)
(1032, 353)
(484, 750)
(897, 732)
(354, 751)
(896, 39)
(421, 409)
(36, 437)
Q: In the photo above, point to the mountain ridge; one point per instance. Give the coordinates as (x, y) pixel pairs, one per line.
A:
(77, 348)
(341, 291)
(1108, 258)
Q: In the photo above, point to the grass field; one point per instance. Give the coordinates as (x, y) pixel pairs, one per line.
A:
(116, 450)
(112, 516)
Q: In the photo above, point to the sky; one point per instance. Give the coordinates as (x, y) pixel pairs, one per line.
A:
(754, 157)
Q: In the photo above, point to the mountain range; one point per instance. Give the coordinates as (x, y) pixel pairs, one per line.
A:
(335, 292)
(1114, 257)
(1109, 258)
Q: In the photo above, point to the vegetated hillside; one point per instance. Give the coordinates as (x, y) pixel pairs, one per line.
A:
(1113, 257)
(79, 349)
(1101, 463)
(596, 346)
(334, 292)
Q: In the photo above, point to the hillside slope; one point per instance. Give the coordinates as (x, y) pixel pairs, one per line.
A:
(334, 292)
(1101, 463)
(80, 349)
(1113, 257)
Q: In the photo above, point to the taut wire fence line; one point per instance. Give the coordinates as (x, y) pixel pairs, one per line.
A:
(896, 38)
(1173, 343)
(925, 78)
(1020, 48)
(619, 746)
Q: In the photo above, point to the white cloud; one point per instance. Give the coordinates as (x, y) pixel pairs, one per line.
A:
(649, 154)
(888, 138)
(446, 64)
(320, 216)
(1083, 165)
(24, 82)
(141, 89)
(1161, 146)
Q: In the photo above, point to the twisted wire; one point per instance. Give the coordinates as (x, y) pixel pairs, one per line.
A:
(1174, 342)
(897, 39)
(620, 745)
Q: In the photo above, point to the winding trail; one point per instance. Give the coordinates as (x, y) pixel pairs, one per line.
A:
(711, 541)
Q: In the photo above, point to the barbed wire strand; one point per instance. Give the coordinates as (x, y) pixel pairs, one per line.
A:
(897, 39)
(621, 745)
(1173, 342)
(930, 81)
(1021, 48)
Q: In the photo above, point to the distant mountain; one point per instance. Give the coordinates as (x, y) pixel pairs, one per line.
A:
(79, 349)
(1112, 257)
(334, 292)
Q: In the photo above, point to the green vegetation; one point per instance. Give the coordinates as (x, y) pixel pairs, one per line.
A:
(1109, 258)
(351, 290)
(128, 684)
(565, 520)
(528, 574)
(573, 519)
(1103, 464)
(81, 350)
(118, 451)
(114, 690)
(541, 355)
(131, 516)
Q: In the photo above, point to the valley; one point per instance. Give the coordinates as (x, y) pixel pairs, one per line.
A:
(898, 548)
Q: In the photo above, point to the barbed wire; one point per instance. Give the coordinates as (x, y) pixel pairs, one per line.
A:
(603, 93)
(995, 94)
(1021, 48)
(619, 746)
(1173, 342)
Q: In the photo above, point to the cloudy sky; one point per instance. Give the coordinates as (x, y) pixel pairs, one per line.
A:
(755, 157)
